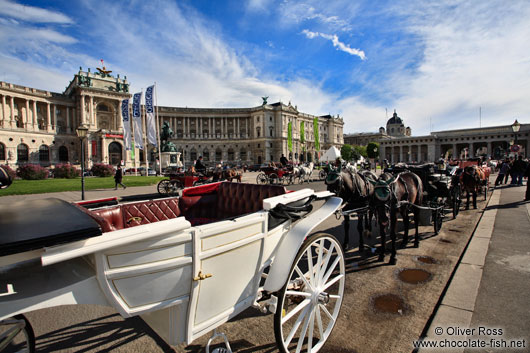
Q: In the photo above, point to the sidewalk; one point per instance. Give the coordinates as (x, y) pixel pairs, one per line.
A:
(488, 294)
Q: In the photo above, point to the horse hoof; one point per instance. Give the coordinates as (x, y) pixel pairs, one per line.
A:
(392, 261)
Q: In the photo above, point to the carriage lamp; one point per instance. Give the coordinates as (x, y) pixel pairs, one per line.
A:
(82, 132)
(515, 128)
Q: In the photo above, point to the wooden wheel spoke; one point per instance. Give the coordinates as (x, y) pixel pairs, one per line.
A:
(331, 269)
(296, 326)
(325, 263)
(303, 277)
(293, 312)
(332, 282)
(304, 331)
(297, 293)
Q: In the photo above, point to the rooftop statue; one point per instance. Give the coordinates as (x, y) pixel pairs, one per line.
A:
(104, 72)
(264, 100)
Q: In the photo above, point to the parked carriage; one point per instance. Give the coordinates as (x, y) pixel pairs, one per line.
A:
(179, 181)
(441, 189)
(184, 264)
(276, 176)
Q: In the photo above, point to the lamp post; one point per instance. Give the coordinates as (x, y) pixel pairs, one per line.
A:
(82, 132)
(515, 128)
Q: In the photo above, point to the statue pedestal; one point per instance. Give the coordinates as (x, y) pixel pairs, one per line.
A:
(170, 160)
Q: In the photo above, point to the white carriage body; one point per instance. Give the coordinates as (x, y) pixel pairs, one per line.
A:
(183, 280)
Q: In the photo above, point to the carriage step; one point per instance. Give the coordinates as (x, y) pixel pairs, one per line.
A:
(216, 334)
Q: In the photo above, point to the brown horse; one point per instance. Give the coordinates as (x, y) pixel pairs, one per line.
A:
(231, 174)
(393, 194)
(356, 192)
(472, 180)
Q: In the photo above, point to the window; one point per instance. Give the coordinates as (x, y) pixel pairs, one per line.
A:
(258, 132)
(22, 153)
(206, 155)
(270, 130)
(193, 154)
(102, 108)
(44, 154)
(258, 119)
(218, 154)
(243, 155)
(63, 154)
(230, 154)
(2, 151)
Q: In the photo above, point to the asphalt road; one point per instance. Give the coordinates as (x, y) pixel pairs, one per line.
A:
(366, 323)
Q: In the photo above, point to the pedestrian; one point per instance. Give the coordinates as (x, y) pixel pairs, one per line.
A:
(283, 161)
(199, 167)
(527, 176)
(118, 176)
(503, 171)
(519, 167)
(510, 172)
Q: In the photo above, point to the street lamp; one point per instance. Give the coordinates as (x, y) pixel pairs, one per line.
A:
(82, 132)
(515, 128)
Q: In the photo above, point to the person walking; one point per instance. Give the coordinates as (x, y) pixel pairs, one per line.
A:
(519, 167)
(527, 176)
(503, 171)
(118, 176)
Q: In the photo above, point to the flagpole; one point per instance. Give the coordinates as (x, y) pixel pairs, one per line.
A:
(158, 133)
(144, 135)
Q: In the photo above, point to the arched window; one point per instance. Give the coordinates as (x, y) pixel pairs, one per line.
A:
(22, 153)
(115, 154)
(193, 154)
(103, 107)
(230, 154)
(44, 154)
(270, 131)
(258, 132)
(206, 155)
(63, 154)
(2, 151)
(218, 154)
(243, 155)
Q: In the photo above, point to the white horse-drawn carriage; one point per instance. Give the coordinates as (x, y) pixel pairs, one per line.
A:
(184, 264)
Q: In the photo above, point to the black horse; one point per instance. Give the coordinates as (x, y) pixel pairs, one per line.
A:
(356, 192)
(393, 194)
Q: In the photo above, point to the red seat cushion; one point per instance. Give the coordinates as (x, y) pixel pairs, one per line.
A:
(235, 199)
(109, 219)
(150, 211)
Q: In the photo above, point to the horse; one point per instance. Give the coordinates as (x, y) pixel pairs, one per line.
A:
(356, 192)
(306, 172)
(231, 174)
(471, 182)
(393, 194)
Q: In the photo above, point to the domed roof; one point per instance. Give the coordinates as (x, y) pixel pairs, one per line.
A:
(395, 119)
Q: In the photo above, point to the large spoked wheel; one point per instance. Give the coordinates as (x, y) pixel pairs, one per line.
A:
(262, 179)
(310, 301)
(322, 174)
(274, 179)
(19, 336)
(164, 187)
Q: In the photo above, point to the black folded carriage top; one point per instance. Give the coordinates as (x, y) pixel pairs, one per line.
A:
(30, 225)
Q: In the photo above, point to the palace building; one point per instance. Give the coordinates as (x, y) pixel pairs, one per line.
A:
(38, 126)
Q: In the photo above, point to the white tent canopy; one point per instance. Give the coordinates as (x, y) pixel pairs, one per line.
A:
(330, 155)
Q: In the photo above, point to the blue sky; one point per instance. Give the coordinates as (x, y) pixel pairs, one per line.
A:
(436, 63)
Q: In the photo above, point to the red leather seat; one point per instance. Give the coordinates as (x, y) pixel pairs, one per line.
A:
(235, 199)
(109, 219)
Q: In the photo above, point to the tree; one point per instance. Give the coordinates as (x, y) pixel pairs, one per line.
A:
(346, 152)
(372, 149)
(358, 152)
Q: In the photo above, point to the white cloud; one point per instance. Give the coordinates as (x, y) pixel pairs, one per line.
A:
(32, 13)
(259, 5)
(336, 43)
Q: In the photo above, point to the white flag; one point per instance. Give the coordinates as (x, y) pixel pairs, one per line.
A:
(126, 124)
(137, 119)
(150, 115)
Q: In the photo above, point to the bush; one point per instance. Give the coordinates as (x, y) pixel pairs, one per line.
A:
(102, 170)
(9, 171)
(32, 172)
(67, 171)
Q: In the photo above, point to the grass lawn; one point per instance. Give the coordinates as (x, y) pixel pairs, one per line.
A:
(24, 187)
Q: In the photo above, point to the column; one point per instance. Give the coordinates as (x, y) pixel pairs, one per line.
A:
(48, 119)
(400, 154)
(4, 115)
(68, 120)
(12, 105)
(198, 124)
(55, 118)
(34, 120)
(222, 128)
(82, 110)
(238, 135)
(248, 127)
(26, 120)
(91, 111)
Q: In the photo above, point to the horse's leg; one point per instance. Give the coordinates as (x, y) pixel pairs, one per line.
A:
(405, 215)
(360, 230)
(382, 234)
(346, 232)
(475, 199)
(467, 199)
(416, 225)
(392, 230)
(370, 217)
(367, 225)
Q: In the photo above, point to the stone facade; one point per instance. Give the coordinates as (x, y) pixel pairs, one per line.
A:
(38, 126)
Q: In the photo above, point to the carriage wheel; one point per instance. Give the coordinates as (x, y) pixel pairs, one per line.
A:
(273, 179)
(322, 175)
(164, 187)
(262, 179)
(310, 301)
(21, 338)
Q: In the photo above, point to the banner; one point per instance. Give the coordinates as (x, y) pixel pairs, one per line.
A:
(126, 124)
(150, 116)
(137, 121)
(315, 132)
(290, 136)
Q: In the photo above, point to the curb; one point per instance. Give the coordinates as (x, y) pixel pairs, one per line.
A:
(456, 306)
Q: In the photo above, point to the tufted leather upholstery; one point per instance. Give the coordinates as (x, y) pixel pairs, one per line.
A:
(234, 199)
(194, 207)
(109, 219)
(150, 211)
